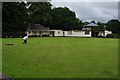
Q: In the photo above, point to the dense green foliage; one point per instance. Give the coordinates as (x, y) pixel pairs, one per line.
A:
(114, 25)
(65, 19)
(14, 17)
(39, 13)
(17, 16)
(57, 57)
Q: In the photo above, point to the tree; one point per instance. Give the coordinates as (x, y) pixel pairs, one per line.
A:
(93, 21)
(39, 13)
(64, 18)
(102, 26)
(72, 23)
(14, 16)
(18, 15)
(86, 23)
(114, 26)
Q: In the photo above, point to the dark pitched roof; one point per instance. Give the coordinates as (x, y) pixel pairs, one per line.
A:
(37, 27)
(91, 25)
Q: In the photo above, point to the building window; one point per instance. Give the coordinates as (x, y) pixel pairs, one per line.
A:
(34, 32)
(69, 32)
(58, 32)
(39, 32)
(86, 32)
(29, 32)
(76, 31)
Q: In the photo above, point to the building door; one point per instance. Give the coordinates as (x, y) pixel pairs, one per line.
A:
(63, 34)
(53, 33)
(95, 34)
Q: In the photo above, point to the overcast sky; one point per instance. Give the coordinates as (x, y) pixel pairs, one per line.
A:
(87, 10)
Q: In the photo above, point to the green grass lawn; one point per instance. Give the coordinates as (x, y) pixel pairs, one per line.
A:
(60, 57)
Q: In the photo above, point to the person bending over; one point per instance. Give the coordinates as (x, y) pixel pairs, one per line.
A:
(25, 39)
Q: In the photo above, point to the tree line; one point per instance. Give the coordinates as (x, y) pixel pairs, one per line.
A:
(16, 16)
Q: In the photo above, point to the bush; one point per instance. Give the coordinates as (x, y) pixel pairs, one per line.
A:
(117, 35)
(45, 35)
(110, 36)
(12, 34)
(100, 36)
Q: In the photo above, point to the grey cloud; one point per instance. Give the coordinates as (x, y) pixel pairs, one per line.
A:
(119, 10)
(87, 11)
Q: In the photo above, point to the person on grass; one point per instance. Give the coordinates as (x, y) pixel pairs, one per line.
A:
(25, 39)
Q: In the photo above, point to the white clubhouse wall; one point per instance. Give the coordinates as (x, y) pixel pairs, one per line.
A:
(57, 32)
(77, 33)
(107, 32)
